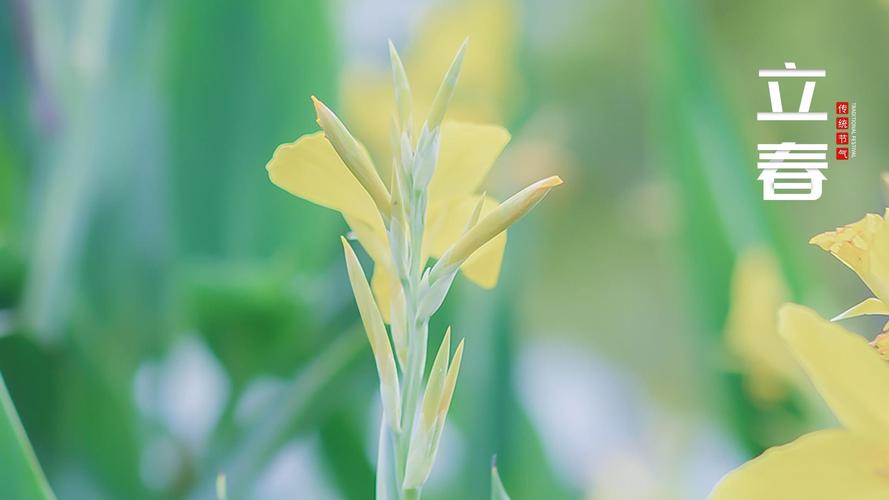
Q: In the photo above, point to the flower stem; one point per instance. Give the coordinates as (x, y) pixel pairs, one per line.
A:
(417, 332)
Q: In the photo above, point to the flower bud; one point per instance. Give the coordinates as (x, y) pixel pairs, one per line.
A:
(433, 413)
(446, 90)
(354, 156)
(493, 224)
(403, 99)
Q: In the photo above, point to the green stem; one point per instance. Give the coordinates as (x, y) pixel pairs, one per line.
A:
(416, 365)
(388, 481)
(417, 332)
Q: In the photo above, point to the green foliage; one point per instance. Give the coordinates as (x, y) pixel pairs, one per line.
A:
(20, 475)
(135, 210)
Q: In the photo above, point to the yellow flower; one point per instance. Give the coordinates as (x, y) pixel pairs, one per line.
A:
(864, 247)
(851, 462)
(752, 326)
(311, 169)
(881, 342)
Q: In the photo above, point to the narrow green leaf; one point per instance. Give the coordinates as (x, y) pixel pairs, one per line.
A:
(376, 334)
(20, 475)
(498, 492)
(446, 90)
(245, 460)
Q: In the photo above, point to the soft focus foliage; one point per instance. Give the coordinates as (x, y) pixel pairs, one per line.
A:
(752, 327)
(167, 314)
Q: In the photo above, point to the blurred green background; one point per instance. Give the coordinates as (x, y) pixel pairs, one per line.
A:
(166, 313)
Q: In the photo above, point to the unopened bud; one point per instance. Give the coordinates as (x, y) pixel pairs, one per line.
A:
(446, 90)
(493, 224)
(354, 156)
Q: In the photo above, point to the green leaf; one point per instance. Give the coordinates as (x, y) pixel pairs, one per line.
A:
(20, 475)
(244, 460)
(376, 334)
(498, 492)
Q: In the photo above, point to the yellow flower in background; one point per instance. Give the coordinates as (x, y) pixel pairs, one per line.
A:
(864, 247)
(311, 169)
(487, 79)
(851, 462)
(758, 290)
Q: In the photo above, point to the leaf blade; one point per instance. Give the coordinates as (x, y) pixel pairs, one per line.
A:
(498, 491)
(20, 473)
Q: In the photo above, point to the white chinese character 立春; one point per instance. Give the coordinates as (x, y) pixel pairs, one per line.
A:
(778, 113)
(791, 175)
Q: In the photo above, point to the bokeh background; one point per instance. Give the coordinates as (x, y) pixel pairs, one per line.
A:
(166, 313)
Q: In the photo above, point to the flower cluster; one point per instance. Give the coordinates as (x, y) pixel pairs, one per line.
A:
(852, 377)
(429, 209)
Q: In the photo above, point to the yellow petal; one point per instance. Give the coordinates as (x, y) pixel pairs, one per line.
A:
(367, 102)
(467, 153)
(483, 267)
(870, 306)
(310, 168)
(864, 247)
(847, 372)
(384, 284)
(373, 238)
(758, 290)
(825, 465)
(447, 222)
(881, 342)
